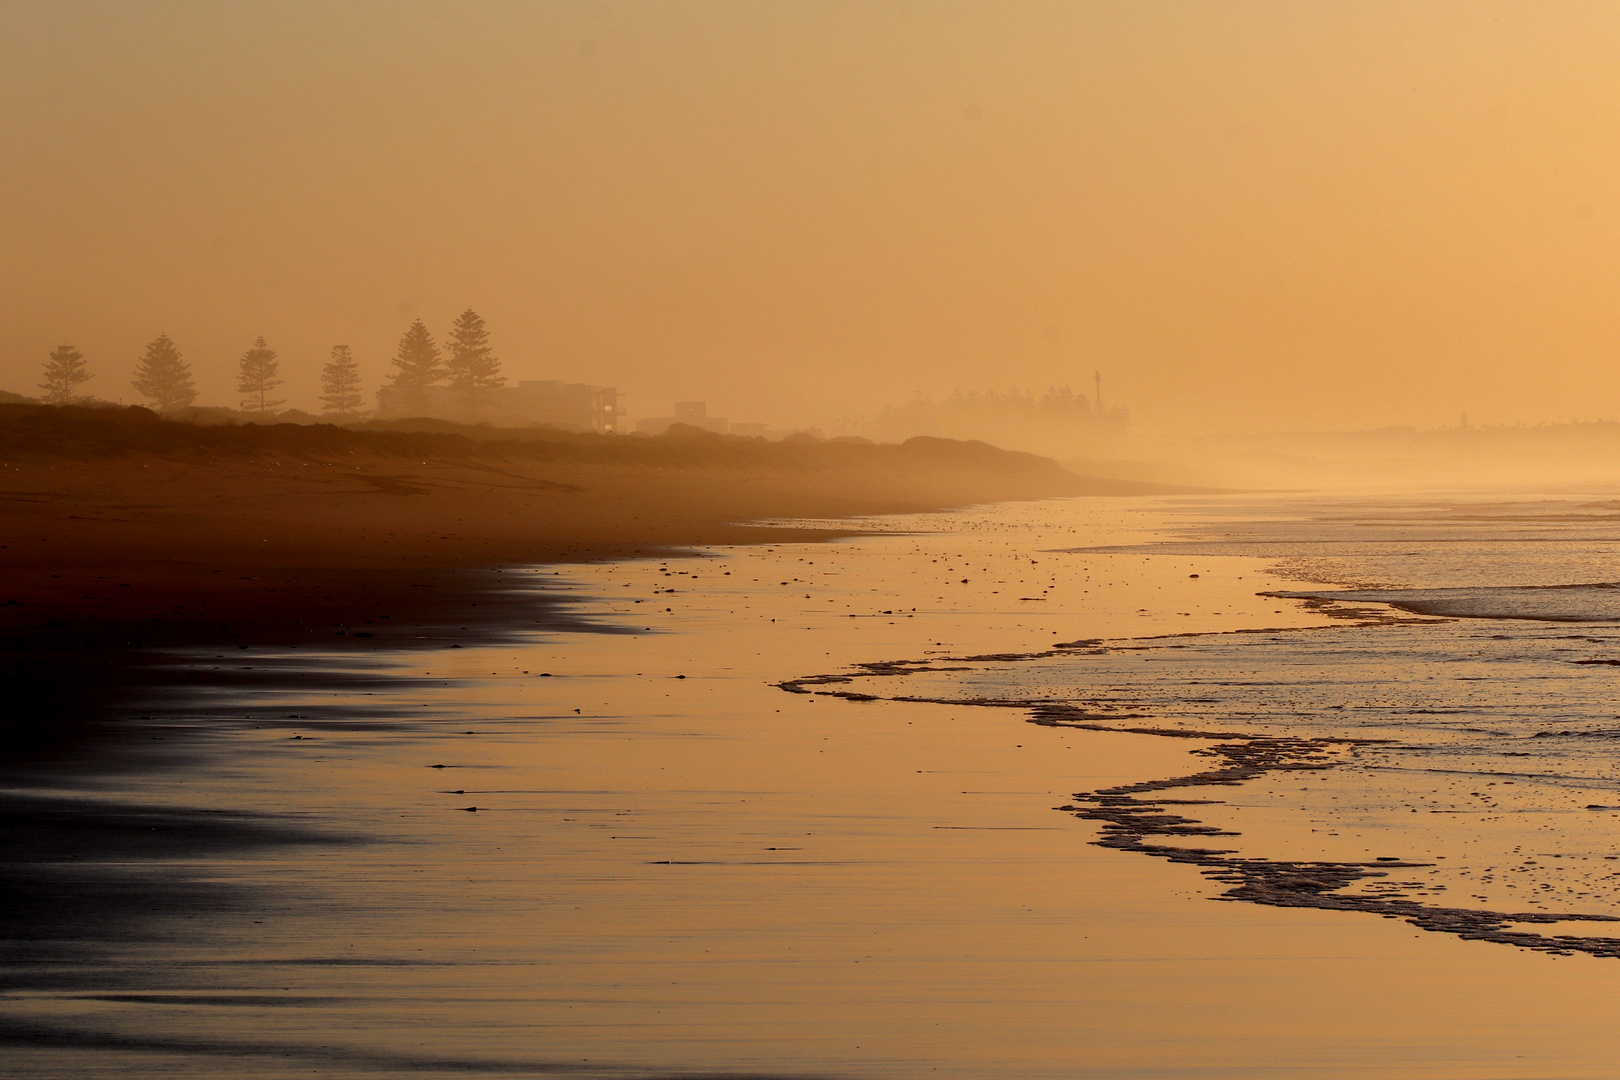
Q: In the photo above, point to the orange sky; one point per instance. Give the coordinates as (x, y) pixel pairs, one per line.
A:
(1248, 215)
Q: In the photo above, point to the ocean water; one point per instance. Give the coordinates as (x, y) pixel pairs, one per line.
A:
(1464, 715)
(914, 803)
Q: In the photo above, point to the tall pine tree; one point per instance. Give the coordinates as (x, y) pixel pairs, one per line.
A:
(416, 366)
(256, 376)
(163, 377)
(340, 383)
(472, 367)
(64, 373)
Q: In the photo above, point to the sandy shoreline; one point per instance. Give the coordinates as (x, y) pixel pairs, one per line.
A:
(118, 555)
(249, 840)
(123, 534)
(669, 876)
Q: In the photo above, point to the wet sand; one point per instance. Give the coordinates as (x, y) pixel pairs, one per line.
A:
(124, 542)
(125, 539)
(675, 867)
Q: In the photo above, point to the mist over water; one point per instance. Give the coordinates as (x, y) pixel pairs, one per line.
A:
(385, 697)
(1248, 217)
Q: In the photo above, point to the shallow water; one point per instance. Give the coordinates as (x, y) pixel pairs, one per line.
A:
(675, 867)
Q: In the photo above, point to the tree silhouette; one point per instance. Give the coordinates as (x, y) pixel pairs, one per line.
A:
(416, 364)
(256, 377)
(340, 383)
(473, 369)
(64, 372)
(163, 377)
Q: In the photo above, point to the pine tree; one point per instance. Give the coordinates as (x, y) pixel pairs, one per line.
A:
(256, 377)
(416, 365)
(340, 383)
(164, 377)
(64, 372)
(473, 369)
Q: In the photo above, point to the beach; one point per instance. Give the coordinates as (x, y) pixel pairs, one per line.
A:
(124, 533)
(769, 541)
(612, 839)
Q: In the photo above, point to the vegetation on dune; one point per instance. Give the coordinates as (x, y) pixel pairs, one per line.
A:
(258, 373)
(65, 372)
(31, 432)
(471, 369)
(163, 377)
(417, 363)
(340, 384)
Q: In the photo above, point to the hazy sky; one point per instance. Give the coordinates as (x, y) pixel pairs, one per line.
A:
(1248, 215)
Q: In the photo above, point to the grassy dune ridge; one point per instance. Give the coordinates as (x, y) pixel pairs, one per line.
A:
(31, 432)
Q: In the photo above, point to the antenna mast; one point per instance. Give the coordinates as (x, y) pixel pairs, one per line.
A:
(1097, 378)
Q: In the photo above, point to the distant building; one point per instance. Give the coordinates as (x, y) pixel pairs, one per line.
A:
(696, 414)
(566, 405)
(569, 406)
(692, 413)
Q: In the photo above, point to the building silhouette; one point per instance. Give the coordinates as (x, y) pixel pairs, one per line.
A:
(530, 403)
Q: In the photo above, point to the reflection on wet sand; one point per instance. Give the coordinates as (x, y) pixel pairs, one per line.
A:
(675, 868)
